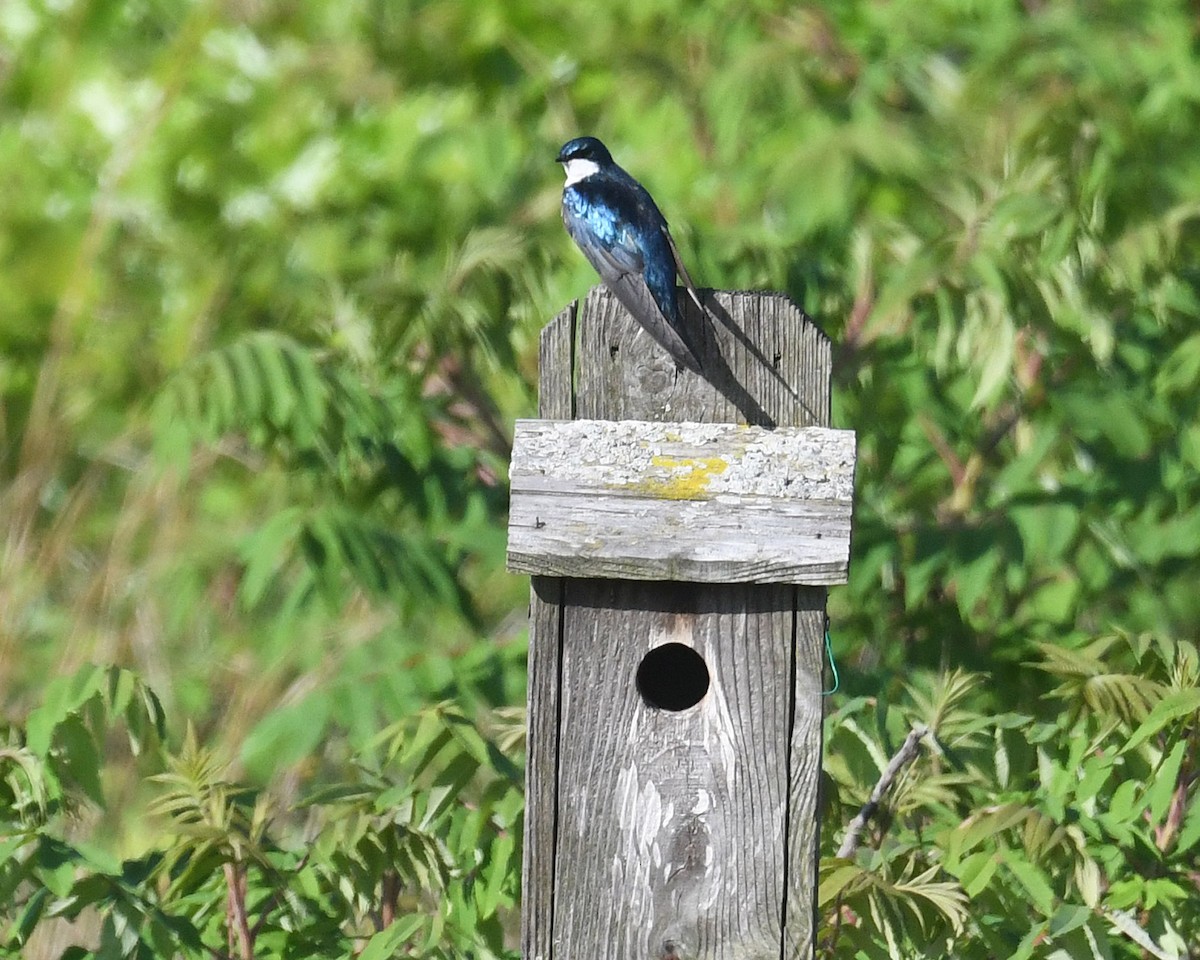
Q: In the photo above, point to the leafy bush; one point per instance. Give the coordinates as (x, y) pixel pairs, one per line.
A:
(413, 854)
(1072, 834)
(270, 283)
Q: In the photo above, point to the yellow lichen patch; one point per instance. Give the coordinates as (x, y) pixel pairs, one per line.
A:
(687, 479)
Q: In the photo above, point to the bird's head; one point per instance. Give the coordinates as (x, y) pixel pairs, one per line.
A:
(582, 157)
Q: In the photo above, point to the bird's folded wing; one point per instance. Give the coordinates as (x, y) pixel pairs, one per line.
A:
(620, 264)
(610, 255)
(635, 296)
(683, 274)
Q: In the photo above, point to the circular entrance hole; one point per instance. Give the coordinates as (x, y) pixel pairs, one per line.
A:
(672, 677)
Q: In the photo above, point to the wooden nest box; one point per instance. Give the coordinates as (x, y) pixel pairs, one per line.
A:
(680, 532)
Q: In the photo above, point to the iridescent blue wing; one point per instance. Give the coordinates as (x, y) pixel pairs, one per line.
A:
(604, 220)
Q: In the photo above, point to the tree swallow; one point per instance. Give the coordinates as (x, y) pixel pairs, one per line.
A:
(621, 231)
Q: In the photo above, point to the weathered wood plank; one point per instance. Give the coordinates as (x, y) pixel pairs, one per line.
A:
(707, 503)
(804, 764)
(556, 365)
(679, 461)
(760, 346)
(556, 399)
(672, 828)
(668, 837)
(541, 768)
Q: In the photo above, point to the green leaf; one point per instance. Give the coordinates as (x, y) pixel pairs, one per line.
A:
(1089, 881)
(1182, 703)
(977, 871)
(31, 915)
(496, 874)
(1047, 529)
(1112, 416)
(832, 884)
(1033, 880)
(1125, 802)
(1125, 893)
(1054, 601)
(1088, 939)
(1029, 942)
(287, 734)
(383, 945)
(1066, 918)
(62, 696)
(987, 823)
(1189, 833)
(266, 551)
(1095, 772)
(1163, 782)
(973, 579)
(56, 863)
(79, 759)
(997, 364)
(1181, 370)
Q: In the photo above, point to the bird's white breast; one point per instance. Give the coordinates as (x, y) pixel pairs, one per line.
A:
(579, 169)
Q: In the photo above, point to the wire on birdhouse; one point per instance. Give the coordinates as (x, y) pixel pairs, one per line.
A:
(837, 682)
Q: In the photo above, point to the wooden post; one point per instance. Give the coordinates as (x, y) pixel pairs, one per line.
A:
(675, 669)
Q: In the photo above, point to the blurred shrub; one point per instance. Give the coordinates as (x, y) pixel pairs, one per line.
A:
(270, 282)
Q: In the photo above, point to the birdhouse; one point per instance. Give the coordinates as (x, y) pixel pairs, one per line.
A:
(680, 531)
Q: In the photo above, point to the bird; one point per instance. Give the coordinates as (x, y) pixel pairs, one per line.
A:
(618, 226)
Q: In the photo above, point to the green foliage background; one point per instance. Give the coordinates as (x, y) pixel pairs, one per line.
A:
(271, 279)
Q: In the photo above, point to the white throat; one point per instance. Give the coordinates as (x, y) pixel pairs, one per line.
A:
(579, 169)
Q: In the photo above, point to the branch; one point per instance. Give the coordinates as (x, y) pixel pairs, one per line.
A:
(389, 896)
(954, 465)
(905, 755)
(235, 879)
(1125, 921)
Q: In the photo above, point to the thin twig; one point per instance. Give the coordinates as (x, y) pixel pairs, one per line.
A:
(1126, 922)
(905, 755)
(389, 896)
(235, 879)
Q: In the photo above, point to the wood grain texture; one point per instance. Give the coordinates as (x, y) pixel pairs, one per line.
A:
(672, 824)
(556, 366)
(541, 768)
(754, 347)
(704, 503)
(556, 399)
(691, 833)
(804, 764)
